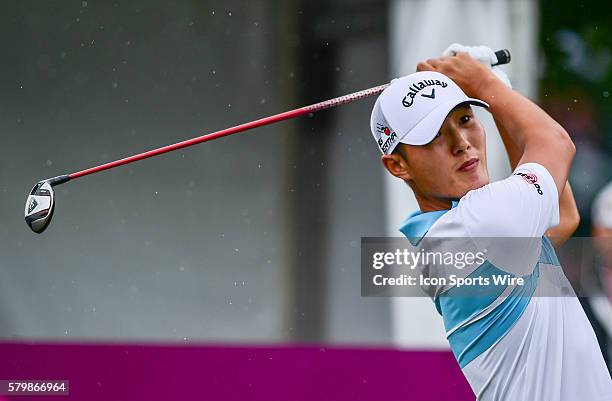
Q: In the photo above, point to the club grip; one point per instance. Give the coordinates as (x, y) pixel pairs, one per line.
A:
(503, 56)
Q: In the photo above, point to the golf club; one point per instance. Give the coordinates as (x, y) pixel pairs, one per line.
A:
(40, 203)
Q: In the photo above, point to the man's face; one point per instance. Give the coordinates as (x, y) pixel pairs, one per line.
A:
(452, 164)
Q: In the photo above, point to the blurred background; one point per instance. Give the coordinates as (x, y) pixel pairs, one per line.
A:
(251, 240)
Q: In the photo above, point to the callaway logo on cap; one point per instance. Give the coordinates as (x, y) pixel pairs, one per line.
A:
(413, 108)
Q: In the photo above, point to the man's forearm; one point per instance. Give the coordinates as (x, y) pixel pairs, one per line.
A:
(536, 136)
(569, 217)
(523, 120)
(512, 149)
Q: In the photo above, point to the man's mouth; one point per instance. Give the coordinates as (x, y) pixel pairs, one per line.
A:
(469, 165)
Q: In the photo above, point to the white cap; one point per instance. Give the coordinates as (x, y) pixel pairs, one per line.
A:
(412, 109)
(601, 213)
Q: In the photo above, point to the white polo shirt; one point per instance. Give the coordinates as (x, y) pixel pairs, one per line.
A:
(525, 343)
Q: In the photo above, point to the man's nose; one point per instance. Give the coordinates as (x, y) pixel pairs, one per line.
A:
(460, 143)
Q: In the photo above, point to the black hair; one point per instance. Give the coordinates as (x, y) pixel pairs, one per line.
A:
(399, 151)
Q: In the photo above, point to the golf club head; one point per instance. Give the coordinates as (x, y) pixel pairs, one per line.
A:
(39, 206)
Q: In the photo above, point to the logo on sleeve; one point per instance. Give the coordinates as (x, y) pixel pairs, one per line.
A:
(531, 179)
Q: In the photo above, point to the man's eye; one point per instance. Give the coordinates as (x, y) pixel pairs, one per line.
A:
(465, 119)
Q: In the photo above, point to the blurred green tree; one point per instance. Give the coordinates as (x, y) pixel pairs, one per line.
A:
(576, 40)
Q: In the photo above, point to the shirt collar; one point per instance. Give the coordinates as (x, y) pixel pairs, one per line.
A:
(417, 224)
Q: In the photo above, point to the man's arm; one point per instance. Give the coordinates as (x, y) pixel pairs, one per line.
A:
(569, 218)
(538, 137)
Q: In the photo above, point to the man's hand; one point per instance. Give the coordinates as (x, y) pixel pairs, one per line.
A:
(471, 75)
(483, 54)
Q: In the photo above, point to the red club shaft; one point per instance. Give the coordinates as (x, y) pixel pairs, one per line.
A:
(234, 130)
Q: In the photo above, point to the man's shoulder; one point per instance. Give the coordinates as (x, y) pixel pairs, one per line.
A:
(450, 225)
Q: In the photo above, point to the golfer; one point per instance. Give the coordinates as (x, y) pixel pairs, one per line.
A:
(524, 344)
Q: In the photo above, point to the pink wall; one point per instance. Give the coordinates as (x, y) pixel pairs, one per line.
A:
(266, 373)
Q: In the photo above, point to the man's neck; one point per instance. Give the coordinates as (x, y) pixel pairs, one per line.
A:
(433, 204)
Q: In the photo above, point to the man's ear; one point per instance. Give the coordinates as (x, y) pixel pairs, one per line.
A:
(397, 165)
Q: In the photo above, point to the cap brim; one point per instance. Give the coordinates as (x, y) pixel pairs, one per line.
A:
(428, 127)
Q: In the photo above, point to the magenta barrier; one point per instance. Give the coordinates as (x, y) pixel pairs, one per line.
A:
(253, 373)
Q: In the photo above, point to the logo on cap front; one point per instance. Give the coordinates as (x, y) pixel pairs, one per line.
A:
(415, 88)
